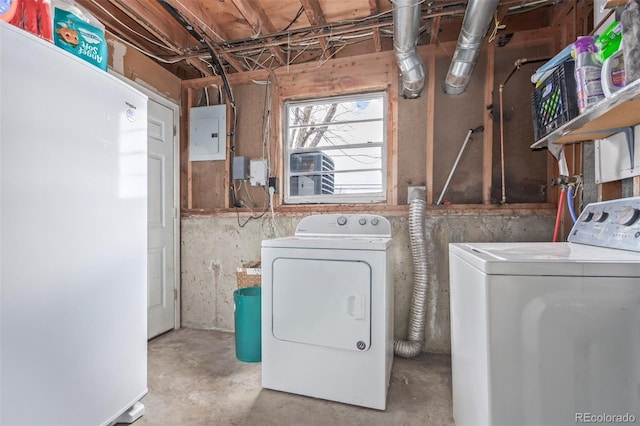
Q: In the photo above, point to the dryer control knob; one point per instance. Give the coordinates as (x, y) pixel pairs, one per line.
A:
(587, 216)
(628, 216)
(362, 221)
(375, 221)
(601, 216)
(342, 221)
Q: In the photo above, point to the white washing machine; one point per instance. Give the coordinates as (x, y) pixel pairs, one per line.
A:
(549, 333)
(327, 310)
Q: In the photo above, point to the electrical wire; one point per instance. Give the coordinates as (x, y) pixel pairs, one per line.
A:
(202, 23)
(95, 2)
(496, 26)
(246, 191)
(146, 53)
(252, 216)
(294, 19)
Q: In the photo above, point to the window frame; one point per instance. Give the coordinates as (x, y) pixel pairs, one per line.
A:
(364, 198)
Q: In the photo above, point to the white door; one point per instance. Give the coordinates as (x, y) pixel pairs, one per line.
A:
(162, 220)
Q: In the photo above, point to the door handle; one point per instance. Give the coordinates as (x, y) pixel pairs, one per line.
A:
(356, 306)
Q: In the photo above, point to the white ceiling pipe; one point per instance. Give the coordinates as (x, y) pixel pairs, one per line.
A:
(477, 19)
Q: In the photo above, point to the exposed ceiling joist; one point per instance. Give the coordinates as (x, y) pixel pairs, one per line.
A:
(144, 21)
(316, 17)
(435, 29)
(377, 42)
(194, 13)
(256, 17)
(244, 35)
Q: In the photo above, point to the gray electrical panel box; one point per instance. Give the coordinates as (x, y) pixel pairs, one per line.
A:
(208, 133)
(240, 168)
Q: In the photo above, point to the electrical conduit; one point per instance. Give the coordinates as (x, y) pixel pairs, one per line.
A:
(417, 313)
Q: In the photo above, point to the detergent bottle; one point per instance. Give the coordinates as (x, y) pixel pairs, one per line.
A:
(613, 73)
(588, 72)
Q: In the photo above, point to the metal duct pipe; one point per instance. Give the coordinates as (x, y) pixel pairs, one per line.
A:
(475, 25)
(418, 311)
(406, 22)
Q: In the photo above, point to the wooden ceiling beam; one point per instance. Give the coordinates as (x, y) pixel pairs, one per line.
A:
(218, 33)
(258, 20)
(315, 15)
(336, 32)
(435, 29)
(149, 23)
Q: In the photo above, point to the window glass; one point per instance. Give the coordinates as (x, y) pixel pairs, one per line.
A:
(335, 149)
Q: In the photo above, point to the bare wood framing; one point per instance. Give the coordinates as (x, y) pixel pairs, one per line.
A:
(377, 42)
(341, 76)
(219, 34)
(614, 3)
(277, 140)
(300, 210)
(370, 72)
(392, 139)
(336, 31)
(610, 190)
(435, 29)
(256, 17)
(165, 38)
(144, 19)
(431, 120)
(487, 146)
(316, 17)
(186, 171)
(143, 16)
(227, 157)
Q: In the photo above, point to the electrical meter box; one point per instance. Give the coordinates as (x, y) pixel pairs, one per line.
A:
(208, 133)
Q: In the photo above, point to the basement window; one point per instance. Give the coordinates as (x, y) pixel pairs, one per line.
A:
(336, 149)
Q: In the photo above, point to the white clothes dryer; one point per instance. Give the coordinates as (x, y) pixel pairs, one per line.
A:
(549, 333)
(327, 310)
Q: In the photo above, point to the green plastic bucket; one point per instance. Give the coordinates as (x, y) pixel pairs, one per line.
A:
(247, 307)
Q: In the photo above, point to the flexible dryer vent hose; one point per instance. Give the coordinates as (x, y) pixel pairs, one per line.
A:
(417, 313)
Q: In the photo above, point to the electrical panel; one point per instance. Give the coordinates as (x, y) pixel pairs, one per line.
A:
(208, 133)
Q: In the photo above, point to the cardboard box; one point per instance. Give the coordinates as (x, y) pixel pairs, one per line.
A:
(250, 275)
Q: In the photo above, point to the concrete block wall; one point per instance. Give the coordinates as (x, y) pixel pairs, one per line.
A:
(213, 247)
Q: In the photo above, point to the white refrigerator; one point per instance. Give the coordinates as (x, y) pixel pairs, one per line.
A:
(73, 231)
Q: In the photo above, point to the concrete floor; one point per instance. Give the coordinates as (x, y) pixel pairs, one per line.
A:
(195, 379)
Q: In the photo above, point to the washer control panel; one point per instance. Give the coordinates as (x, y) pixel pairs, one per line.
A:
(353, 225)
(613, 224)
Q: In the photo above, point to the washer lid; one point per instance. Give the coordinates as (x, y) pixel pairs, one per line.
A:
(548, 259)
(330, 243)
